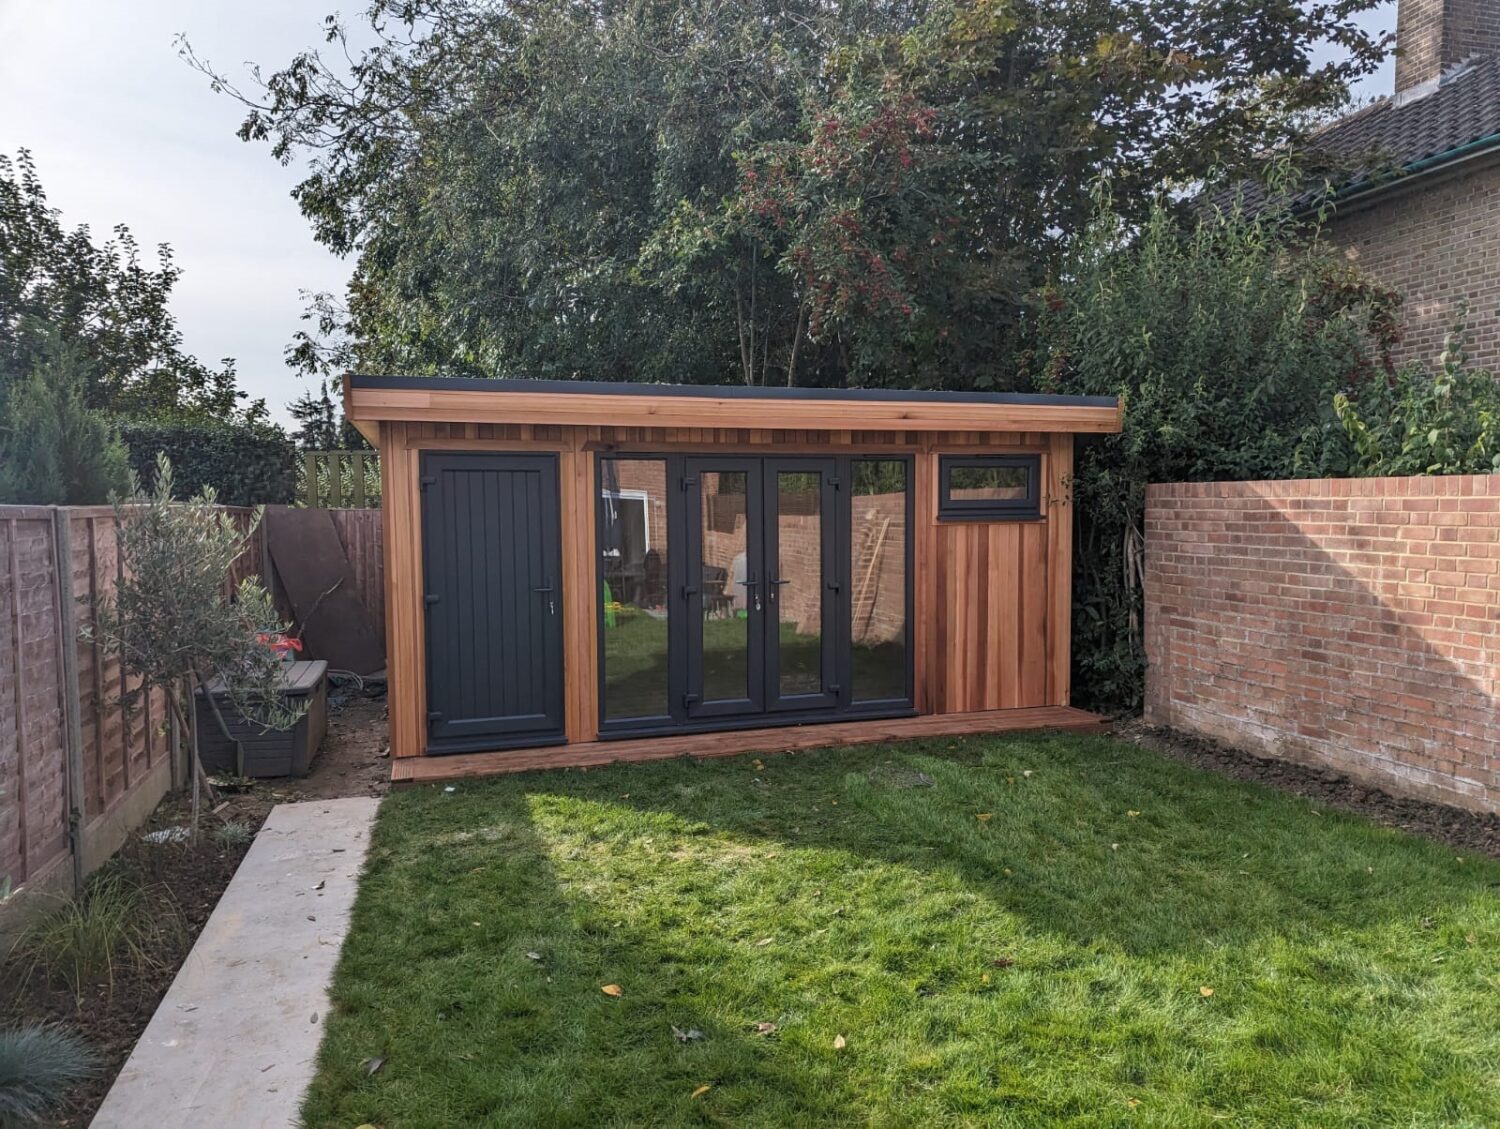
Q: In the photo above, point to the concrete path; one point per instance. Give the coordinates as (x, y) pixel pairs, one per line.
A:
(234, 1040)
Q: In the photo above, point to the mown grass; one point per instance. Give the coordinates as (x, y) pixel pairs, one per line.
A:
(1004, 932)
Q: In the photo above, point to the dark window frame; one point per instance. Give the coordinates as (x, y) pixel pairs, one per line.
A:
(1028, 508)
(848, 708)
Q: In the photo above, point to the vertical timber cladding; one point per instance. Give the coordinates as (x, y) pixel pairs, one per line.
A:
(991, 601)
(999, 593)
(401, 445)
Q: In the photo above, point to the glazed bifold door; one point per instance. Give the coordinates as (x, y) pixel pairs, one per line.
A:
(492, 573)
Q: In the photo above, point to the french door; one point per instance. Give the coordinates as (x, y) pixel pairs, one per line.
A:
(761, 584)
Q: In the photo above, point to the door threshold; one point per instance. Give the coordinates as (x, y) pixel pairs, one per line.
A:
(781, 739)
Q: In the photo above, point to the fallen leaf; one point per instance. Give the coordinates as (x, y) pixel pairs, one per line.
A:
(1002, 962)
(1205, 991)
(984, 978)
(1027, 772)
(764, 941)
(701, 1090)
(839, 1043)
(319, 886)
(1132, 814)
(983, 817)
(691, 1035)
(757, 765)
(612, 990)
(373, 1064)
(765, 1028)
(1114, 846)
(533, 956)
(1132, 1102)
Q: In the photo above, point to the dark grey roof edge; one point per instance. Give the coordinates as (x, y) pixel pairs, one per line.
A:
(726, 391)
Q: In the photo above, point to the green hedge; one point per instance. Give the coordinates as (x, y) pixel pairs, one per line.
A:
(247, 464)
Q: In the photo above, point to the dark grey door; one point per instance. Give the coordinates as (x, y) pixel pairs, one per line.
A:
(492, 572)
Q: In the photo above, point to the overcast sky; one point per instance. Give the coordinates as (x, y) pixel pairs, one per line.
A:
(124, 132)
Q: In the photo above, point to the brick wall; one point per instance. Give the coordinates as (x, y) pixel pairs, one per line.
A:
(1348, 623)
(1437, 245)
(1435, 34)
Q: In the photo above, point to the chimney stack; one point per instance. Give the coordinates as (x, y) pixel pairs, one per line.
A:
(1433, 35)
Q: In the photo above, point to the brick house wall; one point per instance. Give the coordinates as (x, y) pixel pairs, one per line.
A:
(1353, 624)
(1437, 245)
(1435, 34)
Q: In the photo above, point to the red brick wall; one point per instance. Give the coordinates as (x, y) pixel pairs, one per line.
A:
(1352, 623)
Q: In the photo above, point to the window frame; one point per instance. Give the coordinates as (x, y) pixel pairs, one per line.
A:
(1028, 508)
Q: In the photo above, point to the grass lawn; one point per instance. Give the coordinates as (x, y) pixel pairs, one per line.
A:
(1026, 931)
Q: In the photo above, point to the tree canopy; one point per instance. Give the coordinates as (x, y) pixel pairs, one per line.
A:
(787, 191)
(105, 306)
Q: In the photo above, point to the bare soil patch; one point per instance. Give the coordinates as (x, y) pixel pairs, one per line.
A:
(1458, 828)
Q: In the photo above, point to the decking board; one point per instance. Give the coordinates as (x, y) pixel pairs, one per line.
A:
(422, 770)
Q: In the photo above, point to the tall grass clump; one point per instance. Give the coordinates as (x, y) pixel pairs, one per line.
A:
(87, 942)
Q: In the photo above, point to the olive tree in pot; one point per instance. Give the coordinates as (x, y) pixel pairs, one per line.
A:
(173, 621)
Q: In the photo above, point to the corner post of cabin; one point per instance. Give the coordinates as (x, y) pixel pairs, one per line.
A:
(401, 530)
(1059, 497)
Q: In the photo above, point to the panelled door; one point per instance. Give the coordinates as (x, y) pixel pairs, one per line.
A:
(760, 592)
(492, 573)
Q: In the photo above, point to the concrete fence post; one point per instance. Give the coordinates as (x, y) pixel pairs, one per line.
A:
(67, 647)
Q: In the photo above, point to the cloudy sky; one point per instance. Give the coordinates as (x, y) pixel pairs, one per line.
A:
(124, 132)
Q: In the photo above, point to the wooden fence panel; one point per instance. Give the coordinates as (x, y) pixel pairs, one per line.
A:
(359, 532)
(33, 780)
(123, 734)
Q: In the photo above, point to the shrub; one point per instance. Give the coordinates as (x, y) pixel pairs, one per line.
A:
(87, 941)
(247, 464)
(1424, 423)
(235, 833)
(1226, 342)
(54, 449)
(39, 1064)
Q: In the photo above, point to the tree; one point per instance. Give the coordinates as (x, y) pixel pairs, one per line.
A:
(1418, 422)
(1226, 344)
(55, 450)
(761, 190)
(170, 620)
(103, 301)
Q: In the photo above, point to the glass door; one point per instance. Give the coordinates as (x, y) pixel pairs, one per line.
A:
(724, 587)
(802, 591)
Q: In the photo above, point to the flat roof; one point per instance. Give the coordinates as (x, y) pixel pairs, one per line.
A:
(370, 400)
(721, 391)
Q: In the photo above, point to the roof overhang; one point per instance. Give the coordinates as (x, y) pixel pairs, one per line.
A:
(369, 400)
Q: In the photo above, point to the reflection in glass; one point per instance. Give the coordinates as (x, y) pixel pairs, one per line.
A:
(725, 525)
(878, 547)
(985, 484)
(799, 570)
(633, 548)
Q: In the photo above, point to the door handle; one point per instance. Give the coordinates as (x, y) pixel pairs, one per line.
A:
(546, 590)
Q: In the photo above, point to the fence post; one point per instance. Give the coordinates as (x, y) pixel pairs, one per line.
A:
(357, 465)
(67, 616)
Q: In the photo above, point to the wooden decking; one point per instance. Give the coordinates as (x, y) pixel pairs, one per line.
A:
(418, 770)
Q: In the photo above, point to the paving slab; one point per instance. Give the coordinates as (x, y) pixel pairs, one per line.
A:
(235, 1037)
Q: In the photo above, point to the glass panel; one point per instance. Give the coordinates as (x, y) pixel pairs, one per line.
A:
(988, 483)
(633, 545)
(878, 549)
(726, 662)
(799, 569)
